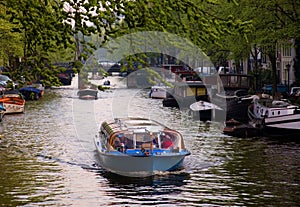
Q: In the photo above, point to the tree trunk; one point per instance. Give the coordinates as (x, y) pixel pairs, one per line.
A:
(272, 57)
(297, 61)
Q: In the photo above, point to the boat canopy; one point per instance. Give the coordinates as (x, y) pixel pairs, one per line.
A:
(140, 133)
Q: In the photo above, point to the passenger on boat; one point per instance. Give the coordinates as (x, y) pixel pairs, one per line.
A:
(166, 142)
(122, 143)
(154, 140)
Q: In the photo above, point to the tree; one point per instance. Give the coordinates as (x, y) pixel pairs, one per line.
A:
(10, 43)
(48, 25)
(274, 22)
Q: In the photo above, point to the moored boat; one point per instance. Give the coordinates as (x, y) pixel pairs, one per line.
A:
(33, 91)
(13, 102)
(158, 92)
(276, 118)
(235, 106)
(234, 100)
(239, 129)
(139, 147)
(204, 111)
(88, 93)
(2, 111)
(185, 93)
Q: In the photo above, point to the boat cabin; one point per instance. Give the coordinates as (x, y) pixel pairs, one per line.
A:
(142, 134)
(190, 89)
(235, 81)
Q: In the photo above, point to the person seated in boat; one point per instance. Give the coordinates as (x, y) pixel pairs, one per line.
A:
(123, 148)
(122, 143)
(166, 142)
(154, 140)
(128, 143)
(117, 142)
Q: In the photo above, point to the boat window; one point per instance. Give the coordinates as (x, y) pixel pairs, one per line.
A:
(121, 140)
(170, 139)
(201, 91)
(191, 91)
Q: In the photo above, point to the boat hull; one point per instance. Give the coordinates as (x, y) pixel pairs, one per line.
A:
(137, 164)
(272, 131)
(276, 118)
(13, 104)
(87, 94)
(205, 111)
(238, 129)
(287, 126)
(13, 108)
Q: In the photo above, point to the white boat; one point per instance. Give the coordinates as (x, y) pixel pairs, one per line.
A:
(139, 147)
(204, 111)
(159, 92)
(13, 102)
(276, 118)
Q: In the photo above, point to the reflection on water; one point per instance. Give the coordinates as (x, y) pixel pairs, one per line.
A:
(145, 191)
(47, 158)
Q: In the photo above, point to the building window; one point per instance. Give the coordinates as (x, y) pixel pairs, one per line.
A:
(286, 50)
(285, 72)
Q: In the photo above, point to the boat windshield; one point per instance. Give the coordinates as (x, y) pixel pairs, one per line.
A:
(165, 139)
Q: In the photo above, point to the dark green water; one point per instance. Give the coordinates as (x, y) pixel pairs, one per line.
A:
(48, 158)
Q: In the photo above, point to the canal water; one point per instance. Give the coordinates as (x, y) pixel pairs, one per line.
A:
(48, 158)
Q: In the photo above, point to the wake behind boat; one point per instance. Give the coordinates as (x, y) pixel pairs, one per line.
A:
(139, 147)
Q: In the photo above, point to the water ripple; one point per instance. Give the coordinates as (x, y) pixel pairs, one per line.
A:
(47, 158)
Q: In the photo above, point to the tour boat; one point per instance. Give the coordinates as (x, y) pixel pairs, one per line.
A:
(139, 147)
(13, 102)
